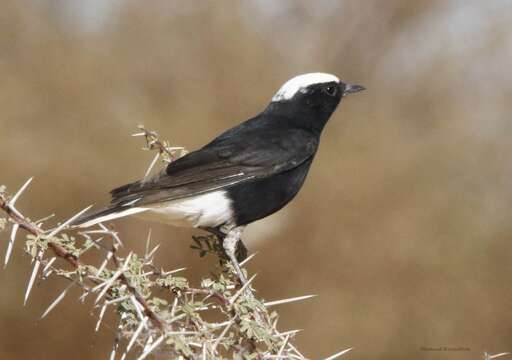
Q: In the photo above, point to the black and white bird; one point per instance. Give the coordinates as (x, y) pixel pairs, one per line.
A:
(247, 173)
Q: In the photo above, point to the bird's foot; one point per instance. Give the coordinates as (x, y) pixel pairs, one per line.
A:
(230, 245)
(241, 251)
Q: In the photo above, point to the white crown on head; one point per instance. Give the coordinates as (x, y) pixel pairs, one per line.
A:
(300, 82)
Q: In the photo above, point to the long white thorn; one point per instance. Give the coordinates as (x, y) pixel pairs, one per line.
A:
(91, 244)
(291, 332)
(57, 300)
(104, 264)
(84, 295)
(219, 325)
(296, 351)
(285, 301)
(10, 245)
(47, 267)
(174, 305)
(148, 343)
(176, 318)
(138, 308)
(119, 299)
(127, 261)
(116, 342)
(285, 342)
(32, 277)
(139, 134)
(42, 220)
(99, 286)
(150, 349)
(183, 333)
(242, 289)
(108, 284)
(112, 233)
(136, 335)
(337, 355)
(148, 242)
(150, 255)
(100, 317)
(113, 353)
(173, 271)
(68, 221)
(249, 258)
(15, 211)
(17, 195)
(153, 162)
(113, 278)
(97, 231)
(489, 356)
(222, 334)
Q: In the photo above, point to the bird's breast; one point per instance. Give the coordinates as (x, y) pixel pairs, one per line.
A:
(257, 199)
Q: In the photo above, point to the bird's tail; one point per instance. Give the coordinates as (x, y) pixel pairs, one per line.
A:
(105, 214)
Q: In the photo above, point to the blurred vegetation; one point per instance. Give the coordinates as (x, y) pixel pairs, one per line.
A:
(402, 226)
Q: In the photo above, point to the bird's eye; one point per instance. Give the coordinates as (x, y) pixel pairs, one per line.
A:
(330, 90)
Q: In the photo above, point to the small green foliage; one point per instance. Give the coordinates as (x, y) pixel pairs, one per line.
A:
(172, 282)
(157, 304)
(180, 345)
(67, 242)
(209, 245)
(34, 244)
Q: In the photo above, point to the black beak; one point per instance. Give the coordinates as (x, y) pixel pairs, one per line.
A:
(350, 89)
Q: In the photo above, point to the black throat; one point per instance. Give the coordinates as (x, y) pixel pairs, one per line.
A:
(310, 117)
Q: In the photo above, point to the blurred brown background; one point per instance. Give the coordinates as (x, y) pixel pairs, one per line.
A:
(402, 227)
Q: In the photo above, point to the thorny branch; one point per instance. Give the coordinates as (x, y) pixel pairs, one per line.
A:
(17, 218)
(174, 324)
(35, 230)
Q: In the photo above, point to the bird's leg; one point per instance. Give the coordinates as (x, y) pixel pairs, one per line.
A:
(231, 241)
(241, 250)
(230, 244)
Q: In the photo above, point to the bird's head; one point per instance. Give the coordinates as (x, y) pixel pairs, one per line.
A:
(311, 98)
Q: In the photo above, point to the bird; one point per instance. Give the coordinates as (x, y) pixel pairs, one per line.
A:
(243, 175)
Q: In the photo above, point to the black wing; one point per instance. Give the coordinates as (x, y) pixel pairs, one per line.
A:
(226, 161)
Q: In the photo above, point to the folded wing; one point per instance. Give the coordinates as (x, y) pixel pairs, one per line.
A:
(219, 165)
(222, 163)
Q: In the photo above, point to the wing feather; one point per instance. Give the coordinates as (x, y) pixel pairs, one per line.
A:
(221, 164)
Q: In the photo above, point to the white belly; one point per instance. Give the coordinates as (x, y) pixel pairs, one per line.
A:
(209, 210)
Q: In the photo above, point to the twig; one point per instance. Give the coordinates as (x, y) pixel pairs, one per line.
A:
(61, 252)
